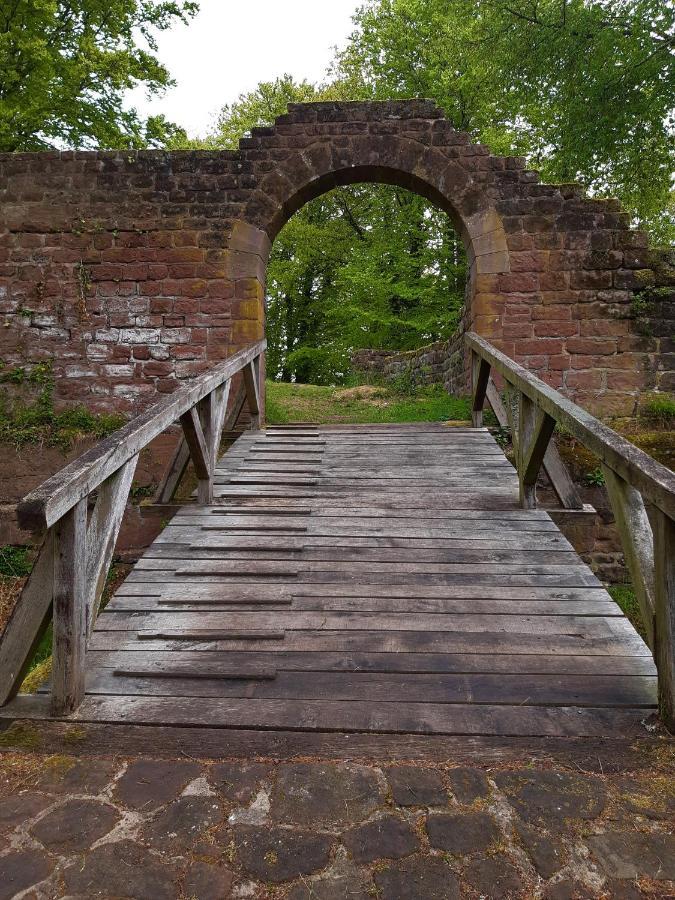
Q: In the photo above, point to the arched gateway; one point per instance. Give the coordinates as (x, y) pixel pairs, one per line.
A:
(136, 270)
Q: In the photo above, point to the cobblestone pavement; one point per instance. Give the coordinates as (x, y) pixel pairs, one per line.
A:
(323, 830)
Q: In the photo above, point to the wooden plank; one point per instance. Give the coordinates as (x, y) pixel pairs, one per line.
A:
(293, 620)
(391, 688)
(70, 620)
(27, 622)
(480, 377)
(637, 542)
(346, 589)
(664, 619)
(186, 672)
(53, 498)
(231, 634)
(382, 604)
(103, 529)
(170, 742)
(629, 644)
(354, 716)
(413, 663)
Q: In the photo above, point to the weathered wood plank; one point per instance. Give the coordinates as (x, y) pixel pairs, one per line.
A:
(498, 689)
(28, 622)
(70, 621)
(664, 618)
(355, 716)
(413, 663)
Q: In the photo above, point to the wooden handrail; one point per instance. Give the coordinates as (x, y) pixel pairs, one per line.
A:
(653, 480)
(44, 506)
(631, 476)
(69, 574)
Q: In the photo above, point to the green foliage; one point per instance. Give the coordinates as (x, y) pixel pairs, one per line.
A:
(660, 409)
(15, 562)
(320, 404)
(584, 88)
(595, 478)
(624, 596)
(37, 422)
(66, 65)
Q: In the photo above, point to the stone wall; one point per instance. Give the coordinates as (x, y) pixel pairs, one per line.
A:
(131, 271)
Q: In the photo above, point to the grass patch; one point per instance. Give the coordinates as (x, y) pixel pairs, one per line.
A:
(660, 410)
(624, 596)
(361, 405)
(15, 562)
(35, 421)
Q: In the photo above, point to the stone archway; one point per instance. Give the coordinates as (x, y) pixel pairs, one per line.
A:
(133, 271)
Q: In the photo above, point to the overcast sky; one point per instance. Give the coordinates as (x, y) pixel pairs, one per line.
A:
(229, 47)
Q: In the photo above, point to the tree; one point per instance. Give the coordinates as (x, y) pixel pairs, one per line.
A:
(584, 88)
(66, 65)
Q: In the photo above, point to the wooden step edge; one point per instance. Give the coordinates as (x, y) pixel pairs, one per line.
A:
(233, 675)
(209, 636)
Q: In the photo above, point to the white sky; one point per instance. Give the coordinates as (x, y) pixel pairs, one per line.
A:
(229, 47)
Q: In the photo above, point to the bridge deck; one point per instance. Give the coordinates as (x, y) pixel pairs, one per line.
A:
(377, 579)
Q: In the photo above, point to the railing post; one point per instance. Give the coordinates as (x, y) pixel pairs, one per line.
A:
(527, 423)
(70, 610)
(480, 377)
(251, 374)
(664, 614)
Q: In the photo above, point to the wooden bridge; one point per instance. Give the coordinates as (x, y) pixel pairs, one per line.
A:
(371, 580)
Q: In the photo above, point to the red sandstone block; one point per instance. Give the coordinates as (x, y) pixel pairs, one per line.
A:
(549, 241)
(589, 380)
(181, 270)
(150, 288)
(188, 254)
(183, 306)
(157, 369)
(554, 281)
(582, 280)
(187, 351)
(186, 238)
(604, 327)
(159, 305)
(520, 241)
(559, 362)
(247, 289)
(537, 346)
(536, 363)
(627, 381)
(488, 304)
(625, 360)
(591, 345)
(517, 330)
(518, 283)
(529, 261)
(223, 290)
(555, 328)
(552, 313)
(552, 378)
(558, 298)
(176, 335)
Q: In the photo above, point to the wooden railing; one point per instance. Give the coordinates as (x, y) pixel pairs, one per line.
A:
(69, 574)
(635, 482)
